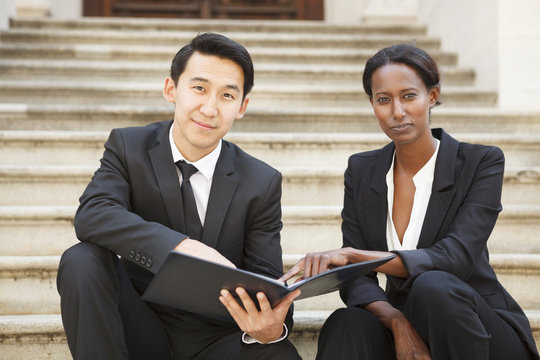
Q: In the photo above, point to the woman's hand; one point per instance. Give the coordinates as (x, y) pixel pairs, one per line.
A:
(408, 343)
(316, 263)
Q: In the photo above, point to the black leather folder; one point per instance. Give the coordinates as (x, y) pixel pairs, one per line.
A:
(193, 284)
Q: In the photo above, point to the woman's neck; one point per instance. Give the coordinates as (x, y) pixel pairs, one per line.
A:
(412, 157)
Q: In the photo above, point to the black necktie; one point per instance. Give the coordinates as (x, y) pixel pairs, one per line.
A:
(191, 216)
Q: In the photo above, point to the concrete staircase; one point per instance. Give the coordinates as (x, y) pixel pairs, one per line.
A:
(65, 84)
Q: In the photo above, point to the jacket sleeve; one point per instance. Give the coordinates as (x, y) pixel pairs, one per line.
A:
(478, 196)
(105, 216)
(366, 289)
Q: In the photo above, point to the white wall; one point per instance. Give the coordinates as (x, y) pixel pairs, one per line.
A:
(519, 54)
(7, 10)
(470, 29)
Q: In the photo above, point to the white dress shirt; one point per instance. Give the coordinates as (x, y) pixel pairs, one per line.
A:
(201, 183)
(423, 182)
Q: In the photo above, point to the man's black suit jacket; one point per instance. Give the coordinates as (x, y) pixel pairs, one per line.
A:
(133, 206)
(461, 213)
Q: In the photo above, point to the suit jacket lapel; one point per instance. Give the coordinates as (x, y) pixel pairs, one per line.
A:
(375, 201)
(167, 179)
(443, 189)
(221, 194)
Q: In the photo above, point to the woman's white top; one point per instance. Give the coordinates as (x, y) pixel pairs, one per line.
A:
(423, 182)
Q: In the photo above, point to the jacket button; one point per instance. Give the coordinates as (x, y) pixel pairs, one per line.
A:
(137, 257)
(143, 260)
(131, 254)
(149, 262)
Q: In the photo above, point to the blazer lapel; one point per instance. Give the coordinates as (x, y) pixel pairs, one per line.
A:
(221, 194)
(375, 202)
(167, 179)
(443, 190)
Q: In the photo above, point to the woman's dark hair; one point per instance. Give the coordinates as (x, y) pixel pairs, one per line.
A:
(406, 54)
(214, 45)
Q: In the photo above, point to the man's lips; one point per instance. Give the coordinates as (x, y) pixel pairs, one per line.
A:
(203, 125)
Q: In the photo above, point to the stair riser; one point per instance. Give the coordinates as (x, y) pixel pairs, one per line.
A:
(271, 98)
(161, 71)
(214, 25)
(48, 346)
(278, 153)
(28, 118)
(182, 38)
(28, 292)
(117, 53)
(58, 190)
(512, 234)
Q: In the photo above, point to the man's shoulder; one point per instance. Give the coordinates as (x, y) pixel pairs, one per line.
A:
(246, 162)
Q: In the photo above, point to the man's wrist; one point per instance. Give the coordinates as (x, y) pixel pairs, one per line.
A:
(248, 339)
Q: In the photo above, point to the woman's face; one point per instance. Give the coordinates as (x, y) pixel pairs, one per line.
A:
(401, 102)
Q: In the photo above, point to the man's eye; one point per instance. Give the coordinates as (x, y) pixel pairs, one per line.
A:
(198, 88)
(228, 96)
(410, 95)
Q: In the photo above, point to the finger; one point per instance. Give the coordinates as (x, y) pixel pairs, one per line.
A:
(248, 303)
(324, 263)
(286, 302)
(236, 311)
(315, 265)
(298, 267)
(307, 266)
(264, 304)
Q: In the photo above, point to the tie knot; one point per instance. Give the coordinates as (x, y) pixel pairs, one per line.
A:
(186, 169)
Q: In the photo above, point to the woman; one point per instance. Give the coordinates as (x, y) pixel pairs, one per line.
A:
(433, 201)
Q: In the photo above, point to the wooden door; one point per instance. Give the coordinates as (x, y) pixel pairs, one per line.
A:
(208, 9)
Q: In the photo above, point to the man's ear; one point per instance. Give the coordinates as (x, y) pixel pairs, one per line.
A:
(242, 109)
(169, 90)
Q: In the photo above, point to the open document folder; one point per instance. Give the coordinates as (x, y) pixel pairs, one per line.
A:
(193, 284)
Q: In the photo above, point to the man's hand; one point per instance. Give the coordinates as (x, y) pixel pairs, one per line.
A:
(265, 325)
(409, 345)
(200, 250)
(316, 263)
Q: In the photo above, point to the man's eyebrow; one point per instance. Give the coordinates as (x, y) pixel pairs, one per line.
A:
(233, 87)
(196, 78)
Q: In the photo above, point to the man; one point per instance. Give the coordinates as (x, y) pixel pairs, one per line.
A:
(142, 203)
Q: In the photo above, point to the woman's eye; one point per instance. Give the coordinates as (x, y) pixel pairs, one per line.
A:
(410, 95)
(382, 100)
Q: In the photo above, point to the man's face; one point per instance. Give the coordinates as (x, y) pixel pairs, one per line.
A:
(207, 98)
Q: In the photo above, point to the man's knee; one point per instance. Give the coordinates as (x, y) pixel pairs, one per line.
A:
(84, 263)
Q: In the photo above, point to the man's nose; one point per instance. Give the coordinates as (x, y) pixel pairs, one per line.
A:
(209, 107)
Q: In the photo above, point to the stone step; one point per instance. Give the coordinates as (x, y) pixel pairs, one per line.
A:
(313, 119)
(28, 283)
(27, 147)
(151, 94)
(41, 337)
(250, 38)
(123, 53)
(267, 73)
(48, 230)
(310, 186)
(215, 25)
